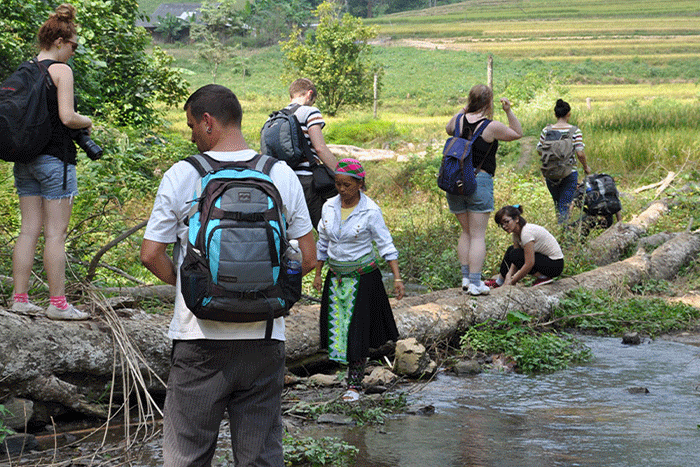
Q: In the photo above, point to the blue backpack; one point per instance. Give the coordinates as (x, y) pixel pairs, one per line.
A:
(233, 266)
(457, 173)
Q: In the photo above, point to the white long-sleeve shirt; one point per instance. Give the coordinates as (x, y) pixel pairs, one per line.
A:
(352, 239)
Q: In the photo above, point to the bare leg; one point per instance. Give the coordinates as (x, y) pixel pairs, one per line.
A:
(56, 218)
(464, 242)
(471, 247)
(31, 208)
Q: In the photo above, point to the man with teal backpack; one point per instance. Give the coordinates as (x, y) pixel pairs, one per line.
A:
(222, 359)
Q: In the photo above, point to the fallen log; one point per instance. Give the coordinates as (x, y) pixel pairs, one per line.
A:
(611, 245)
(66, 362)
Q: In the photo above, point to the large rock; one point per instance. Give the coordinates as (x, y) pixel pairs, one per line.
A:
(379, 376)
(18, 413)
(412, 359)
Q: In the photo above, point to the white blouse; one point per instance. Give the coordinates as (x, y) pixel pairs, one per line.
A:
(352, 239)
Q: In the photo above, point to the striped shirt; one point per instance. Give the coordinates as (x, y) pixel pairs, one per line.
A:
(577, 138)
(308, 116)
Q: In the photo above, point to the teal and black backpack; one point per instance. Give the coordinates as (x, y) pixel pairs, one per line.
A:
(233, 266)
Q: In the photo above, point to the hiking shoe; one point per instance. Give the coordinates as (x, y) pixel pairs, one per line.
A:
(26, 307)
(491, 283)
(481, 289)
(542, 281)
(465, 283)
(69, 314)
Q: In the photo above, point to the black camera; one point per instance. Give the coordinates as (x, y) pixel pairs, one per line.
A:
(82, 139)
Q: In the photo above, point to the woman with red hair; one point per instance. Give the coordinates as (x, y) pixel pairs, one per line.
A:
(47, 185)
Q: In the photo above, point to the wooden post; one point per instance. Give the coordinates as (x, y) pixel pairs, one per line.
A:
(376, 77)
(489, 72)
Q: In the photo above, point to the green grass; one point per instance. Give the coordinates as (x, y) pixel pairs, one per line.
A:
(531, 350)
(631, 16)
(609, 315)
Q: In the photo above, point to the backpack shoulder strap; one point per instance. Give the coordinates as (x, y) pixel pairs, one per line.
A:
(305, 146)
(458, 125)
(202, 163)
(572, 131)
(290, 109)
(263, 163)
(480, 129)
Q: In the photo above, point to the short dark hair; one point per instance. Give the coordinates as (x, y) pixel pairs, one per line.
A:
(514, 212)
(561, 108)
(217, 100)
(302, 86)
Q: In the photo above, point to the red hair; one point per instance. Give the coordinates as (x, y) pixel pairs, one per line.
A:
(59, 25)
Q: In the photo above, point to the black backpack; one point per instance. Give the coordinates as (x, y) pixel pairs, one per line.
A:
(25, 123)
(281, 137)
(600, 195)
(233, 269)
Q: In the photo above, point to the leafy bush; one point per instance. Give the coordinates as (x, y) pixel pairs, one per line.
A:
(336, 57)
(115, 77)
(533, 351)
(607, 315)
(367, 412)
(318, 452)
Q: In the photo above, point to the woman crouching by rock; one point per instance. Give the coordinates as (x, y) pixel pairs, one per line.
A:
(355, 310)
(534, 251)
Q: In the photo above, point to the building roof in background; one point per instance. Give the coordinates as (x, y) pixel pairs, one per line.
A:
(180, 10)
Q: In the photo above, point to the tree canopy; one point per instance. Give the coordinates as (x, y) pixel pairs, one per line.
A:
(115, 77)
(336, 57)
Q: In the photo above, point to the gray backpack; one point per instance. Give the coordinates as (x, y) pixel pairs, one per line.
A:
(557, 153)
(234, 269)
(281, 137)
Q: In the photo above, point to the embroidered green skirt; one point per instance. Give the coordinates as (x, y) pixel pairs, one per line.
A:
(355, 315)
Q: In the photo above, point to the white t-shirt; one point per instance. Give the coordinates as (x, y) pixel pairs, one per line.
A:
(166, 225)
(544, 242)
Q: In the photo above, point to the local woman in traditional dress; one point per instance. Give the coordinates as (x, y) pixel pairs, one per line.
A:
(355, 310)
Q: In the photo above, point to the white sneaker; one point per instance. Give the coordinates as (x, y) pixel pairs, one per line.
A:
(351, 395)
(27, 307)
(465, 283)
(69, 314)
(481, 289)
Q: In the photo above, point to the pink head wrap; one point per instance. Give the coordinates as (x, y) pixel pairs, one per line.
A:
(352, 167)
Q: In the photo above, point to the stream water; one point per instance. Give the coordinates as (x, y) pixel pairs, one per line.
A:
(583, 416)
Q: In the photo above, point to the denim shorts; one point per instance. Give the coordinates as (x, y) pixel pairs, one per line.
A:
(479, 201)
(44, 177)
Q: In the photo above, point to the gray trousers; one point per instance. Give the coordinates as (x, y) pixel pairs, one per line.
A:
(245, 378)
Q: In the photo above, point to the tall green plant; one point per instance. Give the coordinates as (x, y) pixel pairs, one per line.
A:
(115, 76)
(5, 430)
(19, 23)
(337, 58)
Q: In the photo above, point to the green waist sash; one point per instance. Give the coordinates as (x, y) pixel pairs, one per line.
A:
(367, 263)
